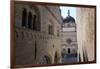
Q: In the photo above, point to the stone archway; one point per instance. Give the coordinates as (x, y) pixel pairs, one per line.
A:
(48, 59)
(45, 60)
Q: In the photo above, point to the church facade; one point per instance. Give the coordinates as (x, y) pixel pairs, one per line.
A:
(37, 34)
(69, 40)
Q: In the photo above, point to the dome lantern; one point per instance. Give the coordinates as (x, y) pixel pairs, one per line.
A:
(68, 12)
(69, 19)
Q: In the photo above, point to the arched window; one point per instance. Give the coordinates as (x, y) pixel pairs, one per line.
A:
(24, 15)
(52, 29)
(68, 50)
(36, 19)
(30, 20)
(34, 22)
(49, 29)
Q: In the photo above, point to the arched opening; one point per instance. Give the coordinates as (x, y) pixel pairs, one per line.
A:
(24, 16)
(36, 19)
(30, 20)
(45, 60)
(63, 52)
(49, 29)
(34, 22)
(68, 50)
(55, 58)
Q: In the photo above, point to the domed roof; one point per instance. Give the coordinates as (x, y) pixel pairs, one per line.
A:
(69, 18)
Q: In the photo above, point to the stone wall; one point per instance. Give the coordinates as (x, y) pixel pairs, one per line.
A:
(86, 32)
(31, 46)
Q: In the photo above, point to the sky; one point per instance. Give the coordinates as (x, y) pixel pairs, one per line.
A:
(64, 11)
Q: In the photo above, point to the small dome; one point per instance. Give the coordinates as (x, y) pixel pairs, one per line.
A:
(69, 18)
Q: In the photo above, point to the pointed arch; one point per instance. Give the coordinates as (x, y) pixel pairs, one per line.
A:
(36, 19)
(24, 16)
(30, 20)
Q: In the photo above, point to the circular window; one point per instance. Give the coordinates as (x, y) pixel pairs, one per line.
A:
(69, 41)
